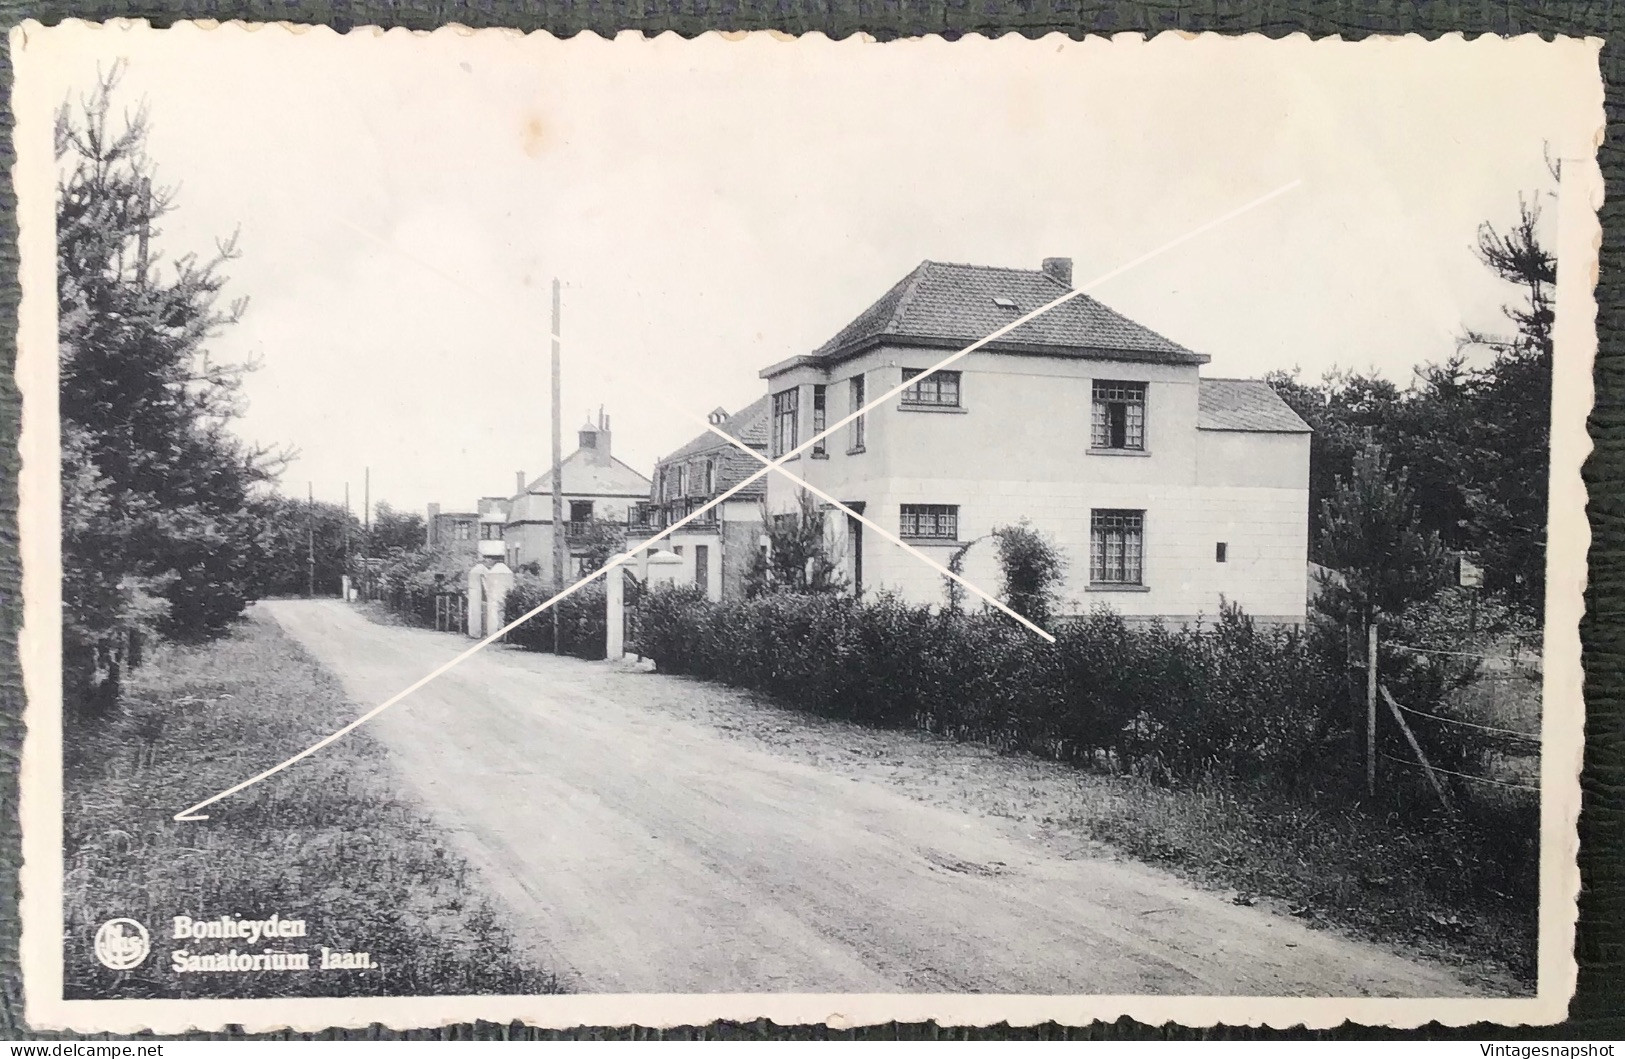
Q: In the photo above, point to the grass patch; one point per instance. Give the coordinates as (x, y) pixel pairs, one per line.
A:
(1329, 863)
(332, 841)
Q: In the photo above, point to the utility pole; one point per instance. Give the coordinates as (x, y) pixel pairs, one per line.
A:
(366, 531)
(346, 539)
(559, 542)
(310, 540)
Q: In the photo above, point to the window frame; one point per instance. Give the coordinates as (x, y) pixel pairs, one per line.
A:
(857, 389)
(910, 524)
(820, 418)
(938, 383)
(1100, 405)
(786, 419)
(1131, 529)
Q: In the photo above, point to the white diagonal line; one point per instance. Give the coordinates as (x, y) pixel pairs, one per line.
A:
(191, 813)
(1046, 307)
(624, 379)
(887, 534)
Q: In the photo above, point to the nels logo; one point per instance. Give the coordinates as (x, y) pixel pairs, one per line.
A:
(121, 944)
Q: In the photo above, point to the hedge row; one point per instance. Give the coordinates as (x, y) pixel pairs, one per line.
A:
(1249, 701)
(580, 617)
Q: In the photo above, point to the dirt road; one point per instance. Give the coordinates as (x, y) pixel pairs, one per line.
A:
(643, 851)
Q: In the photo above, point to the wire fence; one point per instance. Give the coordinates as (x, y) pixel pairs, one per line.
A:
(1494, 684)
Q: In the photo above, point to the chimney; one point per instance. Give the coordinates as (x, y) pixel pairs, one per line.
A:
(593, 440)
(1059, 269)
(519, 483)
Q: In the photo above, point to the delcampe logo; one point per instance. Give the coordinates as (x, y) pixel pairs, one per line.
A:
(121, 944)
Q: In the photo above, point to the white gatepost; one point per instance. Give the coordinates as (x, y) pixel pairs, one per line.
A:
(476, 600)
(615, 610)
(498, 582)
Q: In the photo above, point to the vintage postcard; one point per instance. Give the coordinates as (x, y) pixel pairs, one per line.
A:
(655, 530)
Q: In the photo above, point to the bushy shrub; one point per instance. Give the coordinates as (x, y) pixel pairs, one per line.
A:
(1032, 568)
(581, 618)
(1235, 698)
(410, 580)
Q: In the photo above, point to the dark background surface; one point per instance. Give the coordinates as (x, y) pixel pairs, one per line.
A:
(1598, 1010)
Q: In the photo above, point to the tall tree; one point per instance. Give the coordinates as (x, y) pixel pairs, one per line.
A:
(157, 535)
(396, 531)
(291, 533)
(1373, 537)
(1506, 500)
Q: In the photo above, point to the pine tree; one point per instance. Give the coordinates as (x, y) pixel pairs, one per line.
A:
(1506, 497)
(157, 532)
(1372, 536)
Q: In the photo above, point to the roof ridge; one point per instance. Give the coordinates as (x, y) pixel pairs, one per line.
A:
(912, 284)
(987, 268)
(1232, 378)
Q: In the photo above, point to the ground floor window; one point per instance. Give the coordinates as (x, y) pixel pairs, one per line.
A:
(930, 521)
(1116, 547)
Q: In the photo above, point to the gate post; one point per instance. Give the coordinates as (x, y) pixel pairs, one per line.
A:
(498, 582)
(476, 601)
(615, 611)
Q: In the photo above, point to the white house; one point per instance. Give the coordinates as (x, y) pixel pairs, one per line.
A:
(596, 487)
(1165, 490)
(718, 547)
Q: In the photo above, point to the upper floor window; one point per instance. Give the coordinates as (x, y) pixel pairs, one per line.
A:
(1118, 420)
(710, 476)
(463, 531)
(856, 387)
(490, 531)
(786, 409)
(581, 511)
(940, 389)
(820, 418)
(930, 521)
(1116, 547)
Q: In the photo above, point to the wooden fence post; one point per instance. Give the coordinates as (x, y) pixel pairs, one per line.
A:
(1416, 747)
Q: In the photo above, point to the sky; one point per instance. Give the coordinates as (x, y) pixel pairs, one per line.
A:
(404, 201)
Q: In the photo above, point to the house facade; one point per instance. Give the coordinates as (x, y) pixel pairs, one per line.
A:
(475, 529)
(718, 547)
(1166, 492)
(597, 488)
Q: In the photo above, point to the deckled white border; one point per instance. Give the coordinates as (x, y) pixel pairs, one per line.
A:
(41, 795)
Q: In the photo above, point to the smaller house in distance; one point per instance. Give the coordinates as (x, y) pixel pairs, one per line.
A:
(718, 547)
(449, 528)
(597, 487)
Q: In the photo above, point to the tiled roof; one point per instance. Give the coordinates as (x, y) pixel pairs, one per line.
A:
(1245, 404)
(582, 477)
(749, 425)
(953, 305)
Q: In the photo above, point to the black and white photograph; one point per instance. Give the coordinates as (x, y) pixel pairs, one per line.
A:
(648, 530)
